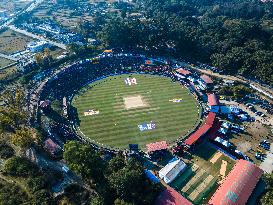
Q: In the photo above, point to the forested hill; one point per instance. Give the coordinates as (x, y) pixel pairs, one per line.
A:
(234, 35)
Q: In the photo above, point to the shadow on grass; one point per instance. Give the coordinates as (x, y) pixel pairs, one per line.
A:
(205, 151)
(183, 179)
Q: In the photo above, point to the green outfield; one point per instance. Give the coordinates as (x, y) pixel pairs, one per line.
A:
(110, 111)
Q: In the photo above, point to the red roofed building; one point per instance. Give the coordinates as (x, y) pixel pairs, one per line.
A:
(238, 185)
(213, 103)
(202, 131)
(171, 197)
(205, 82)
(182, 73)
(157, 146)
(213, 132)
(206, 79)
(52, 147)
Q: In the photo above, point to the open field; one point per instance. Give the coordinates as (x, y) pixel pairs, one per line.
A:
(5, 62)
(195, 183)
(9, 73)
(13, 5)
(117, 126)
(203, 156)
(11, 42)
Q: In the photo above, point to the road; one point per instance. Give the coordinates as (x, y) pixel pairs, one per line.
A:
(265, 89)
(60, 45)
(28, 9)
(8, 57)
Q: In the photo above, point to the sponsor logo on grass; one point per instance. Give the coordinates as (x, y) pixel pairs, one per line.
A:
(147, 126)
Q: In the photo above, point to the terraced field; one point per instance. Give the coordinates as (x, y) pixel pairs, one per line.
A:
(115, 114)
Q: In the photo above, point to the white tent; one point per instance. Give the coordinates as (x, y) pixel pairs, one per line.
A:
(172, 170)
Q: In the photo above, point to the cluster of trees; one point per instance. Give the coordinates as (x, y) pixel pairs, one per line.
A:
(44, 59)
(117, 181)
(237, 91)
(235, 36)
(267, 197)
(35, 182)
(12, 114)
(13, 117)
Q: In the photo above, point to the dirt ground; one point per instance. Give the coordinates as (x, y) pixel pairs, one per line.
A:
(248, 142)
(5, 62)
(134, 102)
(11, 42)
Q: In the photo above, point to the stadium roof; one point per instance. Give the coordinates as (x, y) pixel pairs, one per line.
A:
(213, 100)
(197, 135)
(183, 71)
(238, 185)
(157, 146)
(202, 130)
(171, 197)
(213, 132)
(206, 79)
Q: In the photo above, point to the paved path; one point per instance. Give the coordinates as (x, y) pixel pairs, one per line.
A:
(267, 164)
(8, 57)
(60, 45)
(261, 89)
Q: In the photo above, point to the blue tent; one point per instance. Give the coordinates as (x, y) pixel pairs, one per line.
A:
(151, 176)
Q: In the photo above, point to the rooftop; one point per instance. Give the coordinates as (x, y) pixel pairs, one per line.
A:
(238, 185)
(183, 71)
(202, 130)
(157, 146)
(206, 79)
(171, 197)
(213, 100)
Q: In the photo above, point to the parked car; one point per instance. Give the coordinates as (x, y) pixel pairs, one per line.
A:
(259, 156)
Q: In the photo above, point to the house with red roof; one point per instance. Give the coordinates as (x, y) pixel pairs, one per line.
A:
(182, 73)
(171, 197)
(205, 82)
(238, 184)
(53, 148)
(213, 103)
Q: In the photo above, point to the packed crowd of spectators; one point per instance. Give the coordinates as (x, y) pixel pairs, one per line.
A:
(71, 80)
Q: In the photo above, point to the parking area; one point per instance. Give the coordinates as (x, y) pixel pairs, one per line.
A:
(267, 164)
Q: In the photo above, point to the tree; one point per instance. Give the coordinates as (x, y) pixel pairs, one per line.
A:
(11, 194)
(12, 114)
(116, 164)
(19, 166)
(121, 202)
(37, 183)
(42, 197)
(97, 201)
(84, 160)
(267, 197)
(23, 137)
(6, 151)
